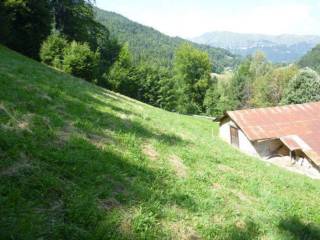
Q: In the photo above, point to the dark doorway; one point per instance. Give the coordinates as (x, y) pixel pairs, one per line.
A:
(234, 136)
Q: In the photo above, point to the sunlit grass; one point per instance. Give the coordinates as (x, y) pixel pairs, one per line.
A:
(80, 162)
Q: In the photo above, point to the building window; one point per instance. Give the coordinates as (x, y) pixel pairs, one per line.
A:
(234, 136)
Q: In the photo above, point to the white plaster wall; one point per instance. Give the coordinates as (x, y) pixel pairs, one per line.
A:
(262, 149)
(224, 131)
(246, 145)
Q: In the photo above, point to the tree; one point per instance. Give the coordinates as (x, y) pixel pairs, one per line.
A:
(75, 19)
(218, 100)
(52, 50)
(4, 20)
(312, 59)
(192, 69)
(149, 84)
(123, 76)
(109, 50)
(240, 85)
(27, 23)
(305, 87)
(167, 93)
(80, 61)
(269, 90)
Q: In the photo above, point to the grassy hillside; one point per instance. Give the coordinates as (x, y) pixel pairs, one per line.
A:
(80, 162)
(150, 45)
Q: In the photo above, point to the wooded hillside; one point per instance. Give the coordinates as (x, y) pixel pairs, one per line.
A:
(151, 45)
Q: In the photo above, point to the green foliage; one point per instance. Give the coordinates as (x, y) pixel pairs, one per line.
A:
(4, 20)
(240, 84)
(218, 99)
(75, 19)
(305, 87)
(25, 24)
(150, 83)
(192, 75)
(52, 50)
(109, 50)
(312, 59)
(149, 45)
(80, 61)
(250, 84)
(123, 76)
(168, 94)
(270, 88)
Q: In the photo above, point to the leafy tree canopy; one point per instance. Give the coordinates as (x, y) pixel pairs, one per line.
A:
(80, 61)
(312, 59)
(192, 69)
(25, 24)
(305, 87)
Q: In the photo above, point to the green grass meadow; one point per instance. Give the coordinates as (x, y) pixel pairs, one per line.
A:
(80, 162)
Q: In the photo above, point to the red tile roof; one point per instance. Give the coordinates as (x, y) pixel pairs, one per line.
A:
(298, 126)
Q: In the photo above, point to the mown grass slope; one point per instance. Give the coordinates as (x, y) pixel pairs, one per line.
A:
(80, 162)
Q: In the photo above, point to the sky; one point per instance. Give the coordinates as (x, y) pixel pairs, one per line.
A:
(191, 18)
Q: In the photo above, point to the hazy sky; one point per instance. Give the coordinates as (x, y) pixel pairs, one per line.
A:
(189, 18)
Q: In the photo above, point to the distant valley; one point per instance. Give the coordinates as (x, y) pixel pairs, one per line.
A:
(278, 49)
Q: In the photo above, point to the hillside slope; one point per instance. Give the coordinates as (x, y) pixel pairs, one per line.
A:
(311, 59)
(80, 162)
(282, 48)
(153, 46)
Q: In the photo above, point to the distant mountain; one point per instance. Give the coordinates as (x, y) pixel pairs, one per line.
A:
(282, 48)
(155, 47)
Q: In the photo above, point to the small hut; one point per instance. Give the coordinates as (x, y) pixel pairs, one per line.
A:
(286, 131)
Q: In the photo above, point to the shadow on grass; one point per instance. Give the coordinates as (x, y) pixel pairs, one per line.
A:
(75, 189)
(78, 190)
(85, 109)
(299, 230)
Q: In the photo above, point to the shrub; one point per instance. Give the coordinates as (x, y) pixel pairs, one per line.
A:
(304, 87)
(52, 50)
(80, 61)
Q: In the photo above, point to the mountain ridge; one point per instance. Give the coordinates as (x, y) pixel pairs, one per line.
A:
(286, 48)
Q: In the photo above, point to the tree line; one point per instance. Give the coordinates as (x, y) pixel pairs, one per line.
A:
(64, 34)
(256, 82)
(148, 44)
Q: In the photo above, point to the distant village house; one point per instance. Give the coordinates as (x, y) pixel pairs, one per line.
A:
(291, 131)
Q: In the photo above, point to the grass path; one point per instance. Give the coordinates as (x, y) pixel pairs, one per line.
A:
(80, 162)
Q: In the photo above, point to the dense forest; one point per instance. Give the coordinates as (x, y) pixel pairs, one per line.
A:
(148, 44)
(312, 59)
(113, 52)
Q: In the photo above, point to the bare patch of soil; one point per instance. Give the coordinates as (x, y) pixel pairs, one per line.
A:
(150, 152)
(183, 232)
(178, 166)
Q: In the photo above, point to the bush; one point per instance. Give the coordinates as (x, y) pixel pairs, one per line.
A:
(80, 61)
(52, 50)
(305, 87)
